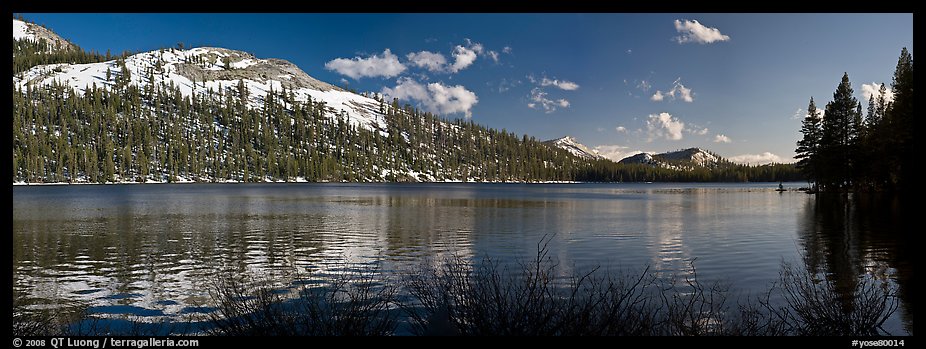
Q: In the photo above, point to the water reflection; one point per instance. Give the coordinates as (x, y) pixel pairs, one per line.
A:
(848, 237)
(153, 251)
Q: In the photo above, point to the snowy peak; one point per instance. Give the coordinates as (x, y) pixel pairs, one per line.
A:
(210, 71)
(680, 159)
(574, 147)
(695, 156)
(640, 158)
(34, 32)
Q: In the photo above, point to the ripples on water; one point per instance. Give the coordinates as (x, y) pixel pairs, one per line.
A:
(153, 250)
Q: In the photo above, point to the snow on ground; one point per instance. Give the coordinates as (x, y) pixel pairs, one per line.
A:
(361, 111)
(243, 63)
(21, 31)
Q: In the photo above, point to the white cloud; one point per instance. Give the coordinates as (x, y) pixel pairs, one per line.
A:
(678, 91)
(643, 85)
(387, 66)
(435, 97)
(432, 61)
(720, 138)
(694, 31)
(664, 125)
(657, 97)
(563, 85)
(874, 89)
(599, 129)
(493, 55)
(756, 159)
(629, 51)
(540, 101)
(344, 81)
(506, 49)
(621, 129)
(464, 56)
(616, 152)
(801, 114)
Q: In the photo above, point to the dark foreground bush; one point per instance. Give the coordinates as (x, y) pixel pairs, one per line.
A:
(353, 302)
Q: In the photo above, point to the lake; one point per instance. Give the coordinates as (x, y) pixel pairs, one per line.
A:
(151, 250)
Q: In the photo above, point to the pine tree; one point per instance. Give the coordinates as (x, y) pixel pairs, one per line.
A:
(808, 148)
(837, 138)
(900, 124)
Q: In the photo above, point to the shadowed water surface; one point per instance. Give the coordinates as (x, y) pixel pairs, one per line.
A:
(152, 250)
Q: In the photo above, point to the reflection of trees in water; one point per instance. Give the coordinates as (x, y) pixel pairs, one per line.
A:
(847, 237)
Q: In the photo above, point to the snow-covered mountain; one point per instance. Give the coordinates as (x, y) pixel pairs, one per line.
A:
(679, 159)
(573, 146)
(34, 32)
(204, 69)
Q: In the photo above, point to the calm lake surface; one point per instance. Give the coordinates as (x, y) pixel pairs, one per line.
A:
(152, 250)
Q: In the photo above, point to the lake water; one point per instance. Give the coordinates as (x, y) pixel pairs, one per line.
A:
(151, 250)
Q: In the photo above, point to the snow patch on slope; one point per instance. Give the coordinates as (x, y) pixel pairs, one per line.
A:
(573, 146)
(172, 67)
(21, 31)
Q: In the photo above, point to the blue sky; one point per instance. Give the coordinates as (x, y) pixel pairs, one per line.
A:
(736, 84)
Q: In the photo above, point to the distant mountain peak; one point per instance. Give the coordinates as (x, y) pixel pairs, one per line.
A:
(573, 146)
(680, 159)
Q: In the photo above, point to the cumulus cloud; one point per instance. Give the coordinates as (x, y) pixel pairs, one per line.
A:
(874, 89)
(540, 101)
(506, 49)
(387, 65)
(561, 84)
(435, 97)
(621, 129)
(664, 125)
(720, 138)
(694, 31)
(432, 61)
(756, 159)
(616, 152)
(657, 97)
(464, 56)
(678, 91)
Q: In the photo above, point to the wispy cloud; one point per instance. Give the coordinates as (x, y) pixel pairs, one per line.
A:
(621, 129)
(720, 138)
(756, 159)
(505, 84)
(507, 49)
(678, 91)
(541, 101)
(664, 125)
(493, 55)
(434, 97)
(561, 84)
(694, 31)
(387, 65)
